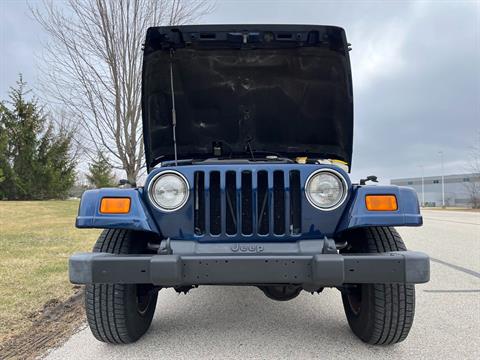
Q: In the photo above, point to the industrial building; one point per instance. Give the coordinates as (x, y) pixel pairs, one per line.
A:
(458, 189)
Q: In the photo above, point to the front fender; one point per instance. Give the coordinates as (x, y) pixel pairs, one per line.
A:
(138, 218)
(357, 215)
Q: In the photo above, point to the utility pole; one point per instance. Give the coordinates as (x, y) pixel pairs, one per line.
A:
(443, 179)
(423, 184)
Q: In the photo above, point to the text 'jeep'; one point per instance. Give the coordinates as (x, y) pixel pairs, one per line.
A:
(248, 135)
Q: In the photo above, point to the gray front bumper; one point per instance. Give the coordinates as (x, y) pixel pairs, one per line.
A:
(198, 268)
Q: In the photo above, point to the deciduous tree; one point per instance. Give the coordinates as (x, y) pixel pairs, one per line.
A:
(473, 167)
(93, 67)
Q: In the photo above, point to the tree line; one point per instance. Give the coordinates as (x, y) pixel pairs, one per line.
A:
(92, 71)
(37, 155)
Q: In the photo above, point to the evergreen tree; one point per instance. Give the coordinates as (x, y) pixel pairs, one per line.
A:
(35, 160)
(100, 172)
(55, 167)
(3, 152)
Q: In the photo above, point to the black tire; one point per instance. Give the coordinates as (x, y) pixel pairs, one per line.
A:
(120, 313)
(379, 314)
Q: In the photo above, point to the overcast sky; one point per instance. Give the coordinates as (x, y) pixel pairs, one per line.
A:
(416, 73)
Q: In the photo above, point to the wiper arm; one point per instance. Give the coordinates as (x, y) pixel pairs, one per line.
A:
(249, 147)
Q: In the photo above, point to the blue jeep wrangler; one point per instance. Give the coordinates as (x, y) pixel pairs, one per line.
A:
(248, 133)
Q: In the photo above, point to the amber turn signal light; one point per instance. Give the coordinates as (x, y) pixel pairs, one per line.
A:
(115, 205)
(381, 202)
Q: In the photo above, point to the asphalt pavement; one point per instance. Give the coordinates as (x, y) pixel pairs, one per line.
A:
(241, 323)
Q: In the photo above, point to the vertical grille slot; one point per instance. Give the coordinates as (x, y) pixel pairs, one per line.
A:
(236, 203)
(199, 203)
(247, 196)
(295, 204)
(231, 202)
(215, 204)
(262, 202)
(278, 203)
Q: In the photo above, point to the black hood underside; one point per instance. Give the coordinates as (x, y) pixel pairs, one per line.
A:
(243, 90)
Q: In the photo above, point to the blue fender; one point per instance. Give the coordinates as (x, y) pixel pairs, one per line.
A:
(357, 215)
(138, 218)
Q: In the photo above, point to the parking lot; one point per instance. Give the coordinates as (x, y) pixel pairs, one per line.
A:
(240, 322)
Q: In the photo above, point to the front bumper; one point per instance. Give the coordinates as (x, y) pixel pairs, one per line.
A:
(283, 266)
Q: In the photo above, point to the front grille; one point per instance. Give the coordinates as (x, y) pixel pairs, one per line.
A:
(247, 202)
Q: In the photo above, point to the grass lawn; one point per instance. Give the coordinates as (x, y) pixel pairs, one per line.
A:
(36, 239)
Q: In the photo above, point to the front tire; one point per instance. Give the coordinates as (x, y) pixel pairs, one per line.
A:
(379, 314)
(120, 313)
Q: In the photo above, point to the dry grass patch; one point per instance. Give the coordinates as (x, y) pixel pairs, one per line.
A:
(36, 239)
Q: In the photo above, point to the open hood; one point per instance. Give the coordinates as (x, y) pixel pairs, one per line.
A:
(247, 89)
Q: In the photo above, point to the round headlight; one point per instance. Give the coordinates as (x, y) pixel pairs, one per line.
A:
(169, 191)
(326, 189)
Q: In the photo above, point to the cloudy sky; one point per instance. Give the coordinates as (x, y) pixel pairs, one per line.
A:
(416, 73)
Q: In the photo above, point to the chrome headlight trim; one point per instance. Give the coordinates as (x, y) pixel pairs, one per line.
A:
(339, 176)
(151, 185)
